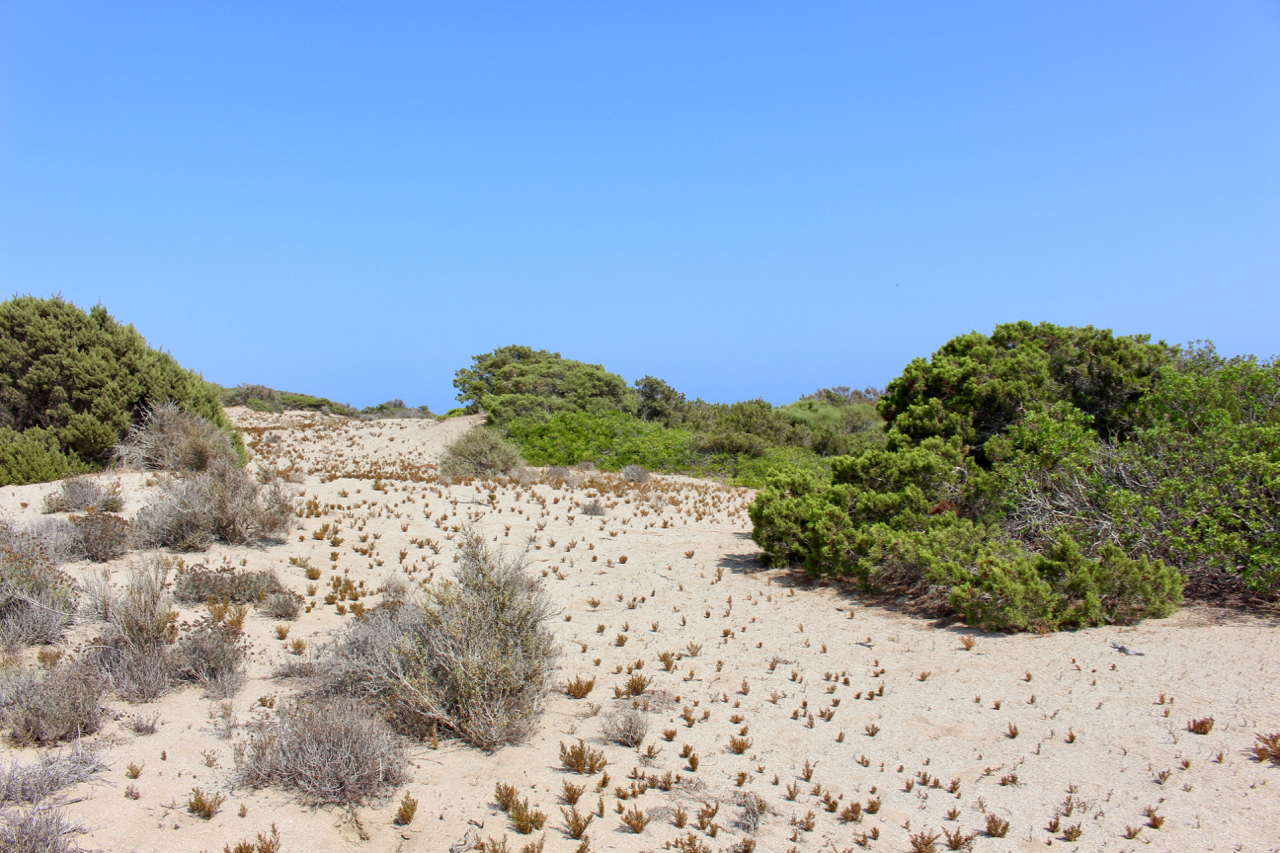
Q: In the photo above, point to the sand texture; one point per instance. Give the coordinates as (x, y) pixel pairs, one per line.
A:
(836, 701)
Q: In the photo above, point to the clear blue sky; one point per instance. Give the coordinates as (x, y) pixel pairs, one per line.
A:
(744, 199)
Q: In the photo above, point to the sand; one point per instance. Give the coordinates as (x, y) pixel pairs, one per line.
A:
(840, 700)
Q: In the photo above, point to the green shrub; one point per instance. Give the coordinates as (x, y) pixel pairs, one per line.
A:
(612, 440)
(35, 456)
(755, 471)
(479, 452)
(517, 381)
(977, 386)
(476, 658)
(1062, 588)
(83, 378)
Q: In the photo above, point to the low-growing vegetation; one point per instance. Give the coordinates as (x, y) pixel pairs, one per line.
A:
(476, 657)
(330, 751)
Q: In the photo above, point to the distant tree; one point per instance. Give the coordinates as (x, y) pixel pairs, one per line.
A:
(519, 381)
(658, 401)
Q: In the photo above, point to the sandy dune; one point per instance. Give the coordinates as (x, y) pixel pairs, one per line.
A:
(883, 708)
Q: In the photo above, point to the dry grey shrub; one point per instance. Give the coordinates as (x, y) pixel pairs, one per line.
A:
(169, 439)
(37, 601)
(140, 626)
(328, 751)
(479, 452)
(223, 504)
(626, 728)
(56, 538)
(61, 705)
(77, 494)
(635, 474)
(212, 655)
(200, 584)
(102, 536)
(754, 809)
(476, 657)
(38, 829)
(282, 605)
(48, 774)
(593, 507)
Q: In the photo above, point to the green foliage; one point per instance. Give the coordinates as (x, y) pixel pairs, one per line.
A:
(611, 440)
(1062, 588)
(35, 456)
(1043, 477)
(517, 381)
(658, 401)
(396, 409)
(260, 398)
(977, 386)
(84, 378)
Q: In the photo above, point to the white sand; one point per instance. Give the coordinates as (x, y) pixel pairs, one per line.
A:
(1128, 714)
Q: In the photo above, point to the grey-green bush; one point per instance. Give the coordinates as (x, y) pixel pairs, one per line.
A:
(61, 705)
(477, 657)
(171, 439)
(212, 655)
(327, 752)
(479, 452)
(37, 601)
(223, 504)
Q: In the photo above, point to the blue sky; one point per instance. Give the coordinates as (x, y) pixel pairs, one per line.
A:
(745, 199)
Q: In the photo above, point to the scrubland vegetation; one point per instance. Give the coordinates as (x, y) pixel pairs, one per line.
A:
(1035, 479)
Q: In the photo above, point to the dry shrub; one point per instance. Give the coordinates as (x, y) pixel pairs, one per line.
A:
(327, 751)
(479, 452)
(635, 474)
(76, 494)
(50, 773)
(141, 625)
(282, 605)
(169, 439)
(212, 655)
(593, 508)
(36, 600)
(200, 584)
(476, 657)
(626, 728)
(222, 504)
(102, 536)
(38, 829)
(64, 704)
